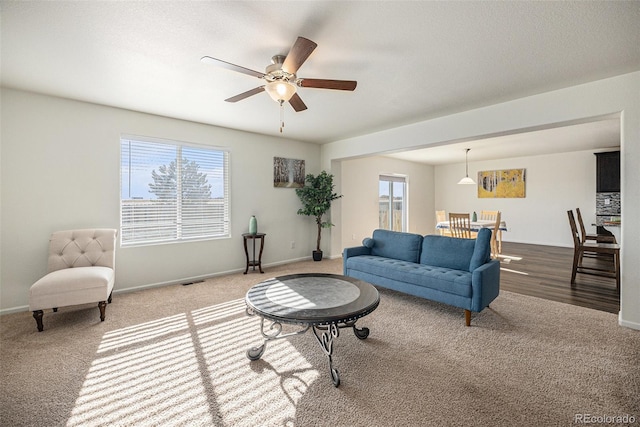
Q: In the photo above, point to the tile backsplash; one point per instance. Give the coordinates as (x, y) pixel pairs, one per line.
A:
(610, 208)
(607, 207)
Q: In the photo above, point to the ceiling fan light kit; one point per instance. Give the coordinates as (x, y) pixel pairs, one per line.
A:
(280, 75)
(466, 179)
(280, 90)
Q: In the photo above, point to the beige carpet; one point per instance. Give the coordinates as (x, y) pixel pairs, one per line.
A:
(176, 356)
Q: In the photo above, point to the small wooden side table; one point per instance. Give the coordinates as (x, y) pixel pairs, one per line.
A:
(253, 262)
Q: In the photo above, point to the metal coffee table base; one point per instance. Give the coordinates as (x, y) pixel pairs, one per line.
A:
(325, 334)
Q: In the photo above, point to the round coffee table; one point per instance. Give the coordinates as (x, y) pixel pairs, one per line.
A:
(324, 303)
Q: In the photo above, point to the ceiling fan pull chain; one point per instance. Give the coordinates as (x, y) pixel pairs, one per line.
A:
(281, 115)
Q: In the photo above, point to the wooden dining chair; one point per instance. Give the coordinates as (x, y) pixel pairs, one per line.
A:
(495, 247)
(488, 215)
(590, 246)
(441, 216)
(460, 225)
(497, 233)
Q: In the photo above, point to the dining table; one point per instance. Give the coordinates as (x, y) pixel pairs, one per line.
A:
(475, 226)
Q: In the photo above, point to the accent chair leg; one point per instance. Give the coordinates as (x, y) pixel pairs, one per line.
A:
(102, 305)
(467, 317)
(38, 316)
(110, 296)
(55, 309)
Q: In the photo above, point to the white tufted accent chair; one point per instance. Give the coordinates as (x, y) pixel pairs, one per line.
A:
(81, 270)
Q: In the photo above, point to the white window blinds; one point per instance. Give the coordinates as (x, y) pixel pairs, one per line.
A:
(172, 192)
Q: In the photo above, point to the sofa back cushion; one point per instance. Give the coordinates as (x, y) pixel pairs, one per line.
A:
(394, 244)
(482, 249)
(458, 254)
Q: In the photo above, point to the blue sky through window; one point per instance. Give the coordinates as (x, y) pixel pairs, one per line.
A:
(140, 158)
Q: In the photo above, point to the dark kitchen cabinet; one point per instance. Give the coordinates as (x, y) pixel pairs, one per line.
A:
(608, 172)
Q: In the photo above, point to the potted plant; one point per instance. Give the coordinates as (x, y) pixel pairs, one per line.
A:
(316, 197)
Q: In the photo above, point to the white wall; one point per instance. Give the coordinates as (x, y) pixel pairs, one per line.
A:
(60, 170)
(554, 184)
(359, 208)
(619, 94)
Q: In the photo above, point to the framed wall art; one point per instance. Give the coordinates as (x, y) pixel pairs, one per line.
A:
(506, 183)
(288, 173)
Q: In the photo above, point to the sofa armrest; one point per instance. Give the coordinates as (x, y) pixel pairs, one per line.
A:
(355, 251)
(351, 252)
(485, 284)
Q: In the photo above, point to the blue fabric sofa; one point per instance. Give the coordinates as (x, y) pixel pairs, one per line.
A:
(458, 272)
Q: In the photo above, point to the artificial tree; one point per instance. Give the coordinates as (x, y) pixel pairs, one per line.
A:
(316, 197)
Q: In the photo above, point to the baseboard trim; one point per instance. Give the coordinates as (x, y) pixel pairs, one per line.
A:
(11, 310)
(203, 277)
(626, 323)
(23, 308)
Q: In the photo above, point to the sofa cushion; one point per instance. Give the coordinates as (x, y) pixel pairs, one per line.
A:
(394, 244)
(482, 249)
(451, 281)
(447, 252)
(459, 254)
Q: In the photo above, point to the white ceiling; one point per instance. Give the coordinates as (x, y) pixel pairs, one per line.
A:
(412, 60)
(598, 135)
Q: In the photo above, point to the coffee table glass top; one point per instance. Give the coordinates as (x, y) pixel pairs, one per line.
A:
(312, 298)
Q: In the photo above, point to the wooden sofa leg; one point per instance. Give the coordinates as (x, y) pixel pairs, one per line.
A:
(38, 316)
(467, 317)
(102, 305)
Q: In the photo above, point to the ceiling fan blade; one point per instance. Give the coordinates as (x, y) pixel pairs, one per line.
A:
(230, 66)
(299, 53)
(329, 84)
(246, 94)
(296, 103)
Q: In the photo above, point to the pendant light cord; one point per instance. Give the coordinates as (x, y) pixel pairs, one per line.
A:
(466, 161)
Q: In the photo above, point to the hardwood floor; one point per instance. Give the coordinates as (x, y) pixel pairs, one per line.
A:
(545, 272)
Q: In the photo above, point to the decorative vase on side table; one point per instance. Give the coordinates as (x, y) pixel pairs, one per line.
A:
(253, 225)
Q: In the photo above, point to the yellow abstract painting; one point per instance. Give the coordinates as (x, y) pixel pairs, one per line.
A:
(507, 183)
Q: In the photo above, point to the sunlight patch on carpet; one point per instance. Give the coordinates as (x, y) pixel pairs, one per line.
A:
(192, 368)
(261, 392)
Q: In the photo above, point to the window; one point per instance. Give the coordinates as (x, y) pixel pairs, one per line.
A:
(172, 192)
(392, 198)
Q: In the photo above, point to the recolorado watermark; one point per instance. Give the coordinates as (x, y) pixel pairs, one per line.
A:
(604, 419)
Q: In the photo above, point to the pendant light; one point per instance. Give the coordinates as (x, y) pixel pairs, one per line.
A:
(466, 179)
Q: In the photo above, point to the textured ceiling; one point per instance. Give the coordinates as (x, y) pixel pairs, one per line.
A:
(412, 60)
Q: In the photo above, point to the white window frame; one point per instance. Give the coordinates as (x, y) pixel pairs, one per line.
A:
(146, 218)
(391, 178)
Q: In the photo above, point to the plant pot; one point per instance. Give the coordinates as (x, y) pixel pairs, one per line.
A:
(317, 255)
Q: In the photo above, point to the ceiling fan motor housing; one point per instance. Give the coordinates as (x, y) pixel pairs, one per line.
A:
(274, 72)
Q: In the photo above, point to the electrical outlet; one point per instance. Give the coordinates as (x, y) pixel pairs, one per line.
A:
(353, 237)
(293, 245)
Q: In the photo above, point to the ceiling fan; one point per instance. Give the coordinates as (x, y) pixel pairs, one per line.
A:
(281, 79)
